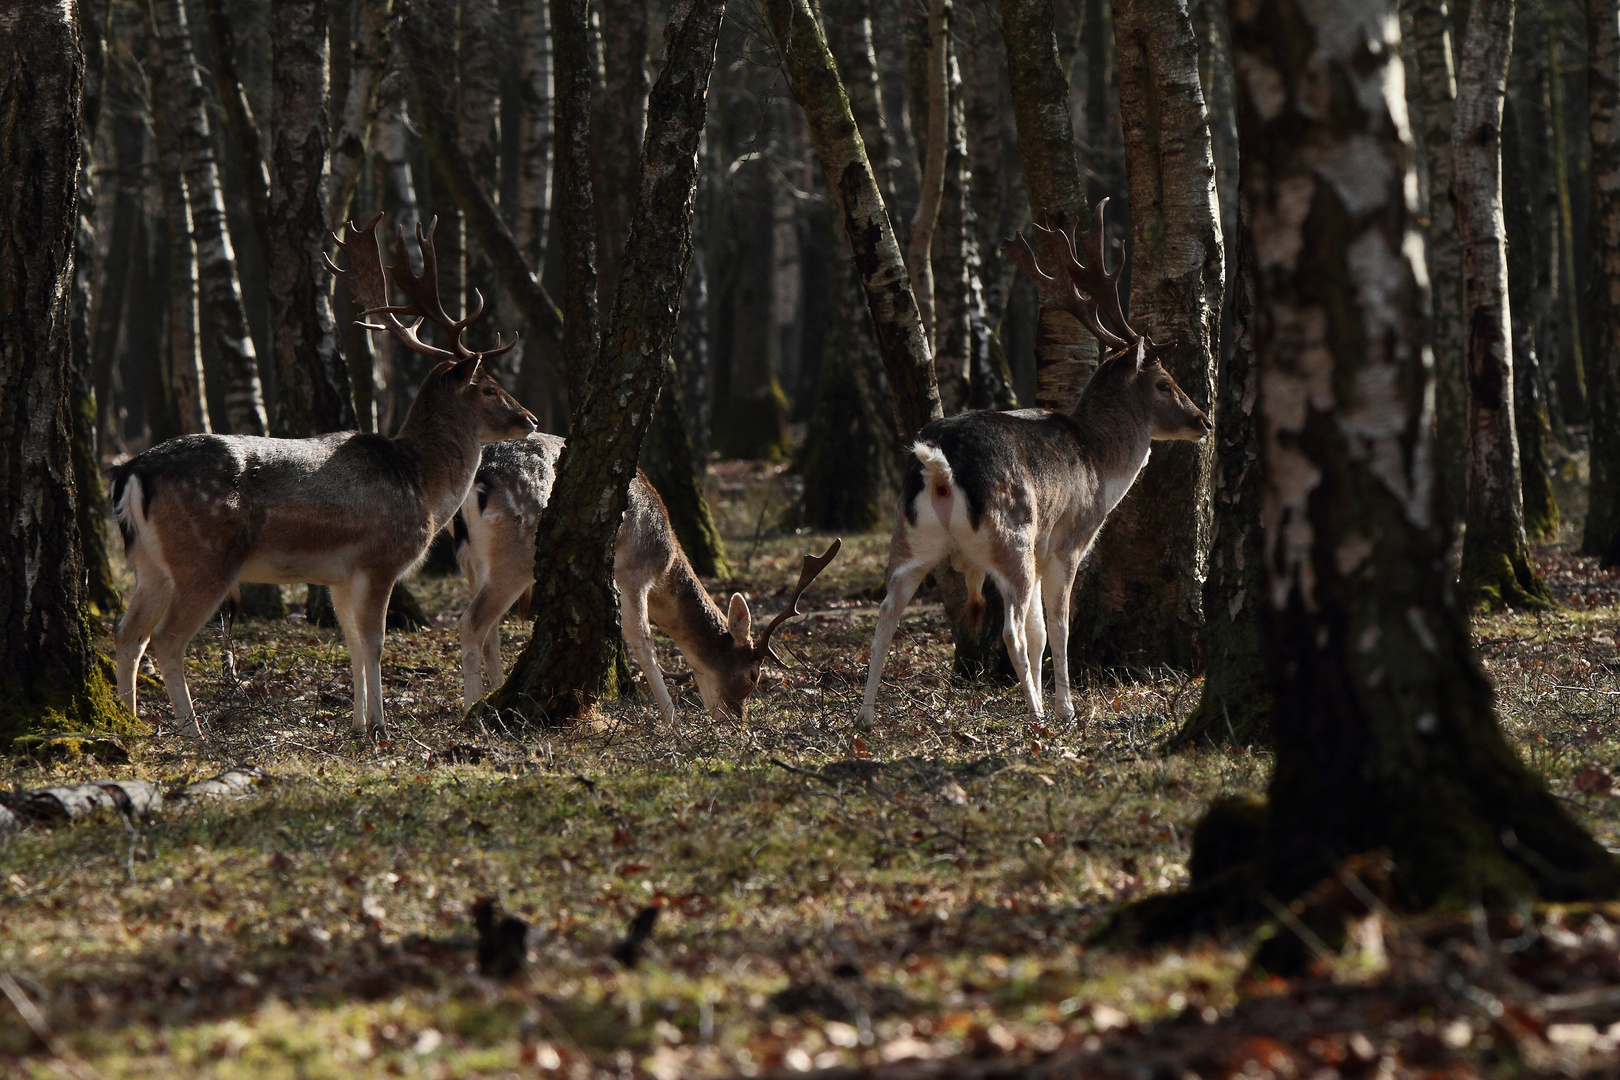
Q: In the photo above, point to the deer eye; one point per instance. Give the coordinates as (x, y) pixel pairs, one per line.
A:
(490, 391)
(1164, 387)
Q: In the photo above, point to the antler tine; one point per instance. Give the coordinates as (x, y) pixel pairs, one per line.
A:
(1092, 274)
(367, 281)
(423, 290)
(1080, 297)
(500, 348)
(813, 566)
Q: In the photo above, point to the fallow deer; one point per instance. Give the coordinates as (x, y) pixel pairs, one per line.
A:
(349, 510)
(1019, 496)
(495, 545)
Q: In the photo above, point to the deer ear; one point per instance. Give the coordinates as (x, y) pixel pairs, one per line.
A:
(466, 370)
(740, 621)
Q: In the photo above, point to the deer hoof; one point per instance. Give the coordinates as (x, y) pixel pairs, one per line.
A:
(863, 719)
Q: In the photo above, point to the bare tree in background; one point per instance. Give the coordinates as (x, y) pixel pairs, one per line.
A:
(1496, 566)
(1139, 598)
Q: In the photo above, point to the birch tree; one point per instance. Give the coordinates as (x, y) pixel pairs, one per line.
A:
(1496, 566)
(1602, 535)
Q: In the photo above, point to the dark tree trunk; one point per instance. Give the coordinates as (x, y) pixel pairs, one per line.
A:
(1602, 535)
(239, 118)
(1139, 598)
(1571, 369)
(1530, 415)
(368, 59)
(1065, 355)
(1234, 708)
(574, 50)
(563, 671)
(620, 117)
(1385, 732)
(92, 509)
(53, 685)
(477, 100)
(1433, 99)
(856, 201)
(671, 464)
(1496, 568)
(312, 377)
(526, 125)
(129, 144)
(754, 422)
(224, 319)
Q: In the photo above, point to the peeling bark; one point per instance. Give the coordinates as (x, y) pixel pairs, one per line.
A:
(369, 58)
(239, 118)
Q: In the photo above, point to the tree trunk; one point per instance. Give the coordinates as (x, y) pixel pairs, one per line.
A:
(477, 103)
(1572, 367)
(1433, 99)
(1530, 415)
(53, 685)
(239, 118)
(849, 38)
(958, 296)
(223, 318)
(128, 143)
(182, 355)
(1234, 708)
(313, 379)
(933, 147)
(620, 117)
(1137, 603)
(563, 670)
(369, 58)
(531, 204)
(1602, 535)
(1384, 726)
(670, 462)
(1496, 567)
(856, 201)
(1065, 355)
(754, 422)
(576, 208)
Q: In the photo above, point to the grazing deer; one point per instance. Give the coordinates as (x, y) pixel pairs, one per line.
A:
(495, 545)
(1019, 496)
(353, 511)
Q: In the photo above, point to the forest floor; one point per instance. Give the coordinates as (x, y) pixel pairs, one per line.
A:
(915, 901)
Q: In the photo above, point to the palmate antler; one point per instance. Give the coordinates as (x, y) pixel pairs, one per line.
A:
(367, 280)
(1082, 285)
(813, 566)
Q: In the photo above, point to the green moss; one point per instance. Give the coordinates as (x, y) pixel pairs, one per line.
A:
(1503, 579)
(1219, 722)
(47, 719)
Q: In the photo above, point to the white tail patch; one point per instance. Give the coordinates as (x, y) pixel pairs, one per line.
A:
(938, 480)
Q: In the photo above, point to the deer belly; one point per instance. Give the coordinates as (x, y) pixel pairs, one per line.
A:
(295, 567)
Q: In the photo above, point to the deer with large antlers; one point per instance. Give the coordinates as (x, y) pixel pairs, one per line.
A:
(353, 511)
(495, 545)
(1019, 496)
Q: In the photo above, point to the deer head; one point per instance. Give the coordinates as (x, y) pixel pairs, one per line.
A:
(459, 384)
(732, 676)
(1084, 287)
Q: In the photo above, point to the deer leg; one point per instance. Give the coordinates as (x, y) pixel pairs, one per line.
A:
(903, 582)
(153, 593)
(1035, 636)
(361, 618)
(481, 641)
(638, 635)
(190, 607)
(1056, 584)
(1016, 590)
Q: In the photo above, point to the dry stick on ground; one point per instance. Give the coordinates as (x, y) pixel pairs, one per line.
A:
(857, 202)
(1385, 729)
(1139, 600)
(1496, 566)
(1602, 536)
(562, 672)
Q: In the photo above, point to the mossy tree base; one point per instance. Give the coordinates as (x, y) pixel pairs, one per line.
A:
(1223, 721)
(1495, 579)
(43, 720)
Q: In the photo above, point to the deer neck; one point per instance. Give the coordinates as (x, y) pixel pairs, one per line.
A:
(683, 609)
(1116, 437)
(446, 449)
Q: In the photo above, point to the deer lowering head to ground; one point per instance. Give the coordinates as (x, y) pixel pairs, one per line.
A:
(495, 546)
(352, 511)
(1019, 496)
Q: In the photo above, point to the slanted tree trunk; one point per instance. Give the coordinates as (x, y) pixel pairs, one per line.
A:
(856, 201)
(312, 377)
(1496, 567)
(182, 354)
(53, 685)
(1530, 417)
(1386, 736)
(563, 671)
(1602, 535)
(1065, 355)
(239, 118)
(1433, 99)
(368, 60)
(1138, 602)
(223, 318)
(619, 120)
